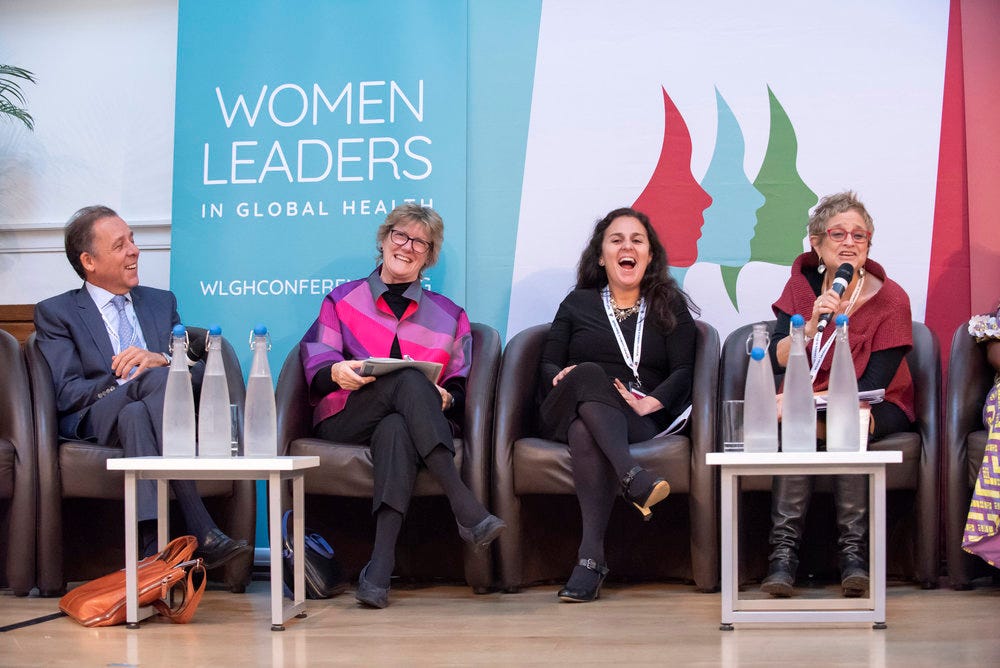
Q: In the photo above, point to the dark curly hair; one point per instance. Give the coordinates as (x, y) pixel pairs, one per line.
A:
(658, 287)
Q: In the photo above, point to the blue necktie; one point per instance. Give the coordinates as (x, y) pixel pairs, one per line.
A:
(125, 331)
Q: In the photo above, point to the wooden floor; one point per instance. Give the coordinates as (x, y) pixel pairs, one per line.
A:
(632, 625)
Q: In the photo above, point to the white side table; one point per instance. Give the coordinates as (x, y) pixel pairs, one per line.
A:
(792, 610)
(165, 469)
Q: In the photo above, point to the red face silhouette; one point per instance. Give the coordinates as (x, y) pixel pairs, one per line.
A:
(673, 199)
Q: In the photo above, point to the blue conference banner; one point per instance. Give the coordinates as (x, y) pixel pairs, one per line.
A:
(298, 127)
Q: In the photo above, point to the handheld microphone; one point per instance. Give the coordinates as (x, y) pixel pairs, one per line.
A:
(197, 338)
(840, 282)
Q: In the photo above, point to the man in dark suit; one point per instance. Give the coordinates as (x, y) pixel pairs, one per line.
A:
(107, 344)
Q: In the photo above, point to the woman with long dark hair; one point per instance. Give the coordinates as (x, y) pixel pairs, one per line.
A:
(617, 368)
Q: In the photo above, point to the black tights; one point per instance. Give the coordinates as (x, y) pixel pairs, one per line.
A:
(598, 445)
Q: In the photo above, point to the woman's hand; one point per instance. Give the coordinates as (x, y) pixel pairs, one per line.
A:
(828, 302)
(562, 374)
(642, 406)
(345, 374)
(446, 399)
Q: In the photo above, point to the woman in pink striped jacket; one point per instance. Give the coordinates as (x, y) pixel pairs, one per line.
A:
(404, 418)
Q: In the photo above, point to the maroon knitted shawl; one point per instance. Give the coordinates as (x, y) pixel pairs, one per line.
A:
(880, 323)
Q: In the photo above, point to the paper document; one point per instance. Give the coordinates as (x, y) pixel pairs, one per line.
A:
(678, 424)
(871, 396)
(379, 366)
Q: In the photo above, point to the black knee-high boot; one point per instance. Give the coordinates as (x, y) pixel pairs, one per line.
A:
(790, 497)
(850, 498)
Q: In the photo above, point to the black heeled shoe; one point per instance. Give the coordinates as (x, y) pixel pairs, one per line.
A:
(483, 533)
(582, 595)
(658, 490)
(368, 594)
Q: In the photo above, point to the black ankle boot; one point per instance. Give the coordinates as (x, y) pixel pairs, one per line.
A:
(649, 495)
(780, 580)
(595, 573)
(854, 579)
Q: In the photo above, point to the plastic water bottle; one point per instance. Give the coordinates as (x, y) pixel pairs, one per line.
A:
(760, 409)
(214, 422)
(843, 413)
(260, 433)
(178, 401)
(798, 408)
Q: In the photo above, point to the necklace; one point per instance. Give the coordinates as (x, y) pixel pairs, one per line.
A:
(622, 313)
(857, 293)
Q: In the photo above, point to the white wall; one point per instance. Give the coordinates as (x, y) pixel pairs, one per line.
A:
(104, 128)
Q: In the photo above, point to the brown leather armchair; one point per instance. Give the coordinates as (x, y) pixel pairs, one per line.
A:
(81, 516)
(339, 491)
(533, 485)
(911, 486)
(970, 378)
(18, 471)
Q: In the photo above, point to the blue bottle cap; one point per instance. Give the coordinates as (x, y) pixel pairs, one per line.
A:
(179, 330)
(757, 354)
(841, 320)
(798, 320)
(260, 330)
(215, 330)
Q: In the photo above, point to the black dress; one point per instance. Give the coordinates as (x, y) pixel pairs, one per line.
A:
(581, 333)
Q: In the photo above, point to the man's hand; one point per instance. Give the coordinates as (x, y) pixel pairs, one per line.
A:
(132, 361)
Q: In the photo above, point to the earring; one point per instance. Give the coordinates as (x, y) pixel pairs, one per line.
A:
(861, 272)
(821, 268)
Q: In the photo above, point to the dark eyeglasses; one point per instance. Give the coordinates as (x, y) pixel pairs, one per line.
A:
(838, 234)
(401, 238)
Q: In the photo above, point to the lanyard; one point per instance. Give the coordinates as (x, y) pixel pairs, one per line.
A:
(819, 353)
(631, 360)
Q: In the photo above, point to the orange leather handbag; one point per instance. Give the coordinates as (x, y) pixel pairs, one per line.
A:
(101, 602)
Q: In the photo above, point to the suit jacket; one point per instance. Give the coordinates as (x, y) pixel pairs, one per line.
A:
(74, 340)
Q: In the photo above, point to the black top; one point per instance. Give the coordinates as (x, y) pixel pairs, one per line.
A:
(581, 333)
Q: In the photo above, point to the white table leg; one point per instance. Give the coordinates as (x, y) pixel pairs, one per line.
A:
(162, 514)
(131, 549)
(876, 502)
(730, 545)
(274, 545)
(299, 543)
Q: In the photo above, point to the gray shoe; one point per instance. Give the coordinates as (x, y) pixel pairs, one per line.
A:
(369, 594)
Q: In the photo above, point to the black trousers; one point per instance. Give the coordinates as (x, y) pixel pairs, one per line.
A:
(399, 417)
(132, 417)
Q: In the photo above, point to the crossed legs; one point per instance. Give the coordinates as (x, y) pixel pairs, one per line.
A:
(400, 417)
(598, 445)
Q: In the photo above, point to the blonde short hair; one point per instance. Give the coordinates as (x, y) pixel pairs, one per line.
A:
(412, 212)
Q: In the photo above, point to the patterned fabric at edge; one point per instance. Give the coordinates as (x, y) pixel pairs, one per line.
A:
(982, 527)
